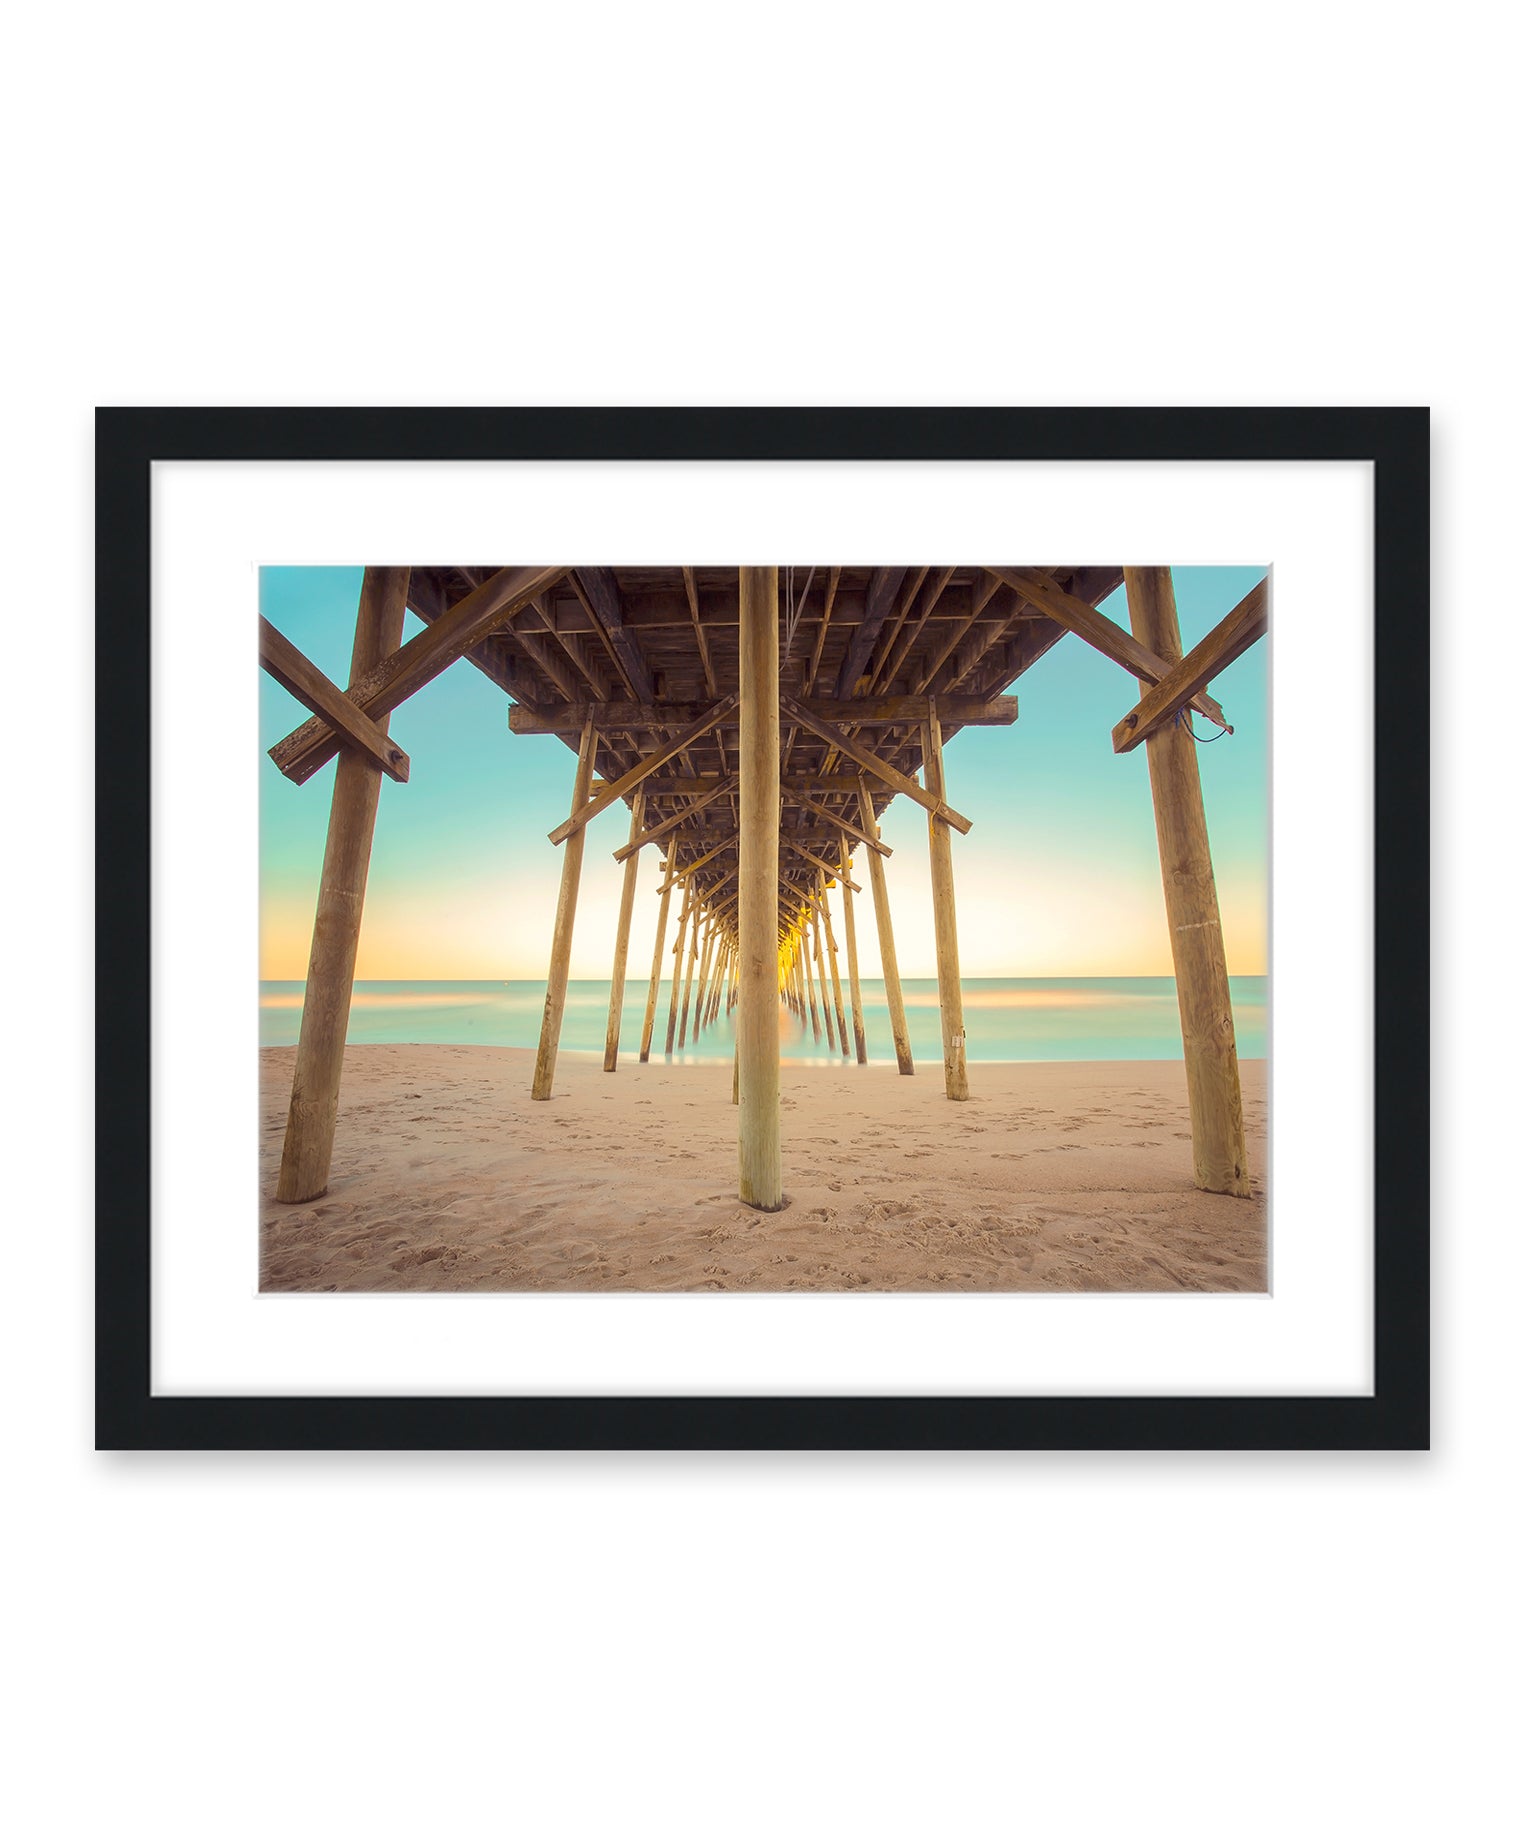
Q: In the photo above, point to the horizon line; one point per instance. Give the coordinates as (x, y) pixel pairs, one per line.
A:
(1241, 974)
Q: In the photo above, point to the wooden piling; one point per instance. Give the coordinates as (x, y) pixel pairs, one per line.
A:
(662, 934)
(1191, 902)
(856, 1004)
(622, 942)
(884, 937)
(708, 954)
(838, 997)
(821, 962)
(565, 921)
(942, 885)
(809, 986)
(690, 961)
(305, 1168)
(758, 926)
(678, 960)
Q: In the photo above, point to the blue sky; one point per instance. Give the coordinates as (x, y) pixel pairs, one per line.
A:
(1059, 875)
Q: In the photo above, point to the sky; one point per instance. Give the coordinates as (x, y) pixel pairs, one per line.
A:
(1058, 876)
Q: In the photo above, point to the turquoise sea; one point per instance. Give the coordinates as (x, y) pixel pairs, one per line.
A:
(1008, 1021)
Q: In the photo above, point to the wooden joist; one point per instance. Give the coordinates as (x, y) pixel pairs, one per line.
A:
(707, 665)
(423, 658)
(670, 821)
(1244, 624)
(814, 782)
(815, 663)
(880, 594)
(598, 588)
(832, 871)
(633, 778)
(1086, 621)
(531, 719)
(790, 797)
(310, 686)
(694, 865)
(877, 766)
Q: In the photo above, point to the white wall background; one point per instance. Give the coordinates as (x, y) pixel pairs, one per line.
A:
(819, 204)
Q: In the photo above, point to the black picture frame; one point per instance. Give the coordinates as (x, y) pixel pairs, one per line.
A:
(1397, 1413)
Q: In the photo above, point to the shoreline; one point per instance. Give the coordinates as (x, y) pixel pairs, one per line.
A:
(1055, 1176)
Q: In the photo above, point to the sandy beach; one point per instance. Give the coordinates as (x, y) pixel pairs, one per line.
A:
(1060, 1176)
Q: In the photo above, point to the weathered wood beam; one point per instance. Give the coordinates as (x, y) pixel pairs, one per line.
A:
(598, 588)
(725, 879)
(311, 688)
(1086, 621)
(842, 822)
(942, 579)
(896, 1012)
(1191, 904)
(880, 594)
(822, 865)
(1244, 624)
(670, 821)
(815, 782)
(877, 766)
(819, 961)
(565, 922)
(633, 778)
(822, 632)
(832, 947)
(1035, 637)
(856, 1003)
(622, 947)
(650, 1020)
(807, 982)
(423, 658)
(531, 719)
(947, 951)
(758, 1030)
(550, 654)
(899, 615)
(684, 871)
(981, 637)
(678, 962)
(305, 1167)
(706, 664)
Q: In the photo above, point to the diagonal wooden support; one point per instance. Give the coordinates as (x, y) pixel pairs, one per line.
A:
(710, 890)
(695, 864)
(310, 686)
(1086, 621)
(1244, 624)
(853, 828)
(832, 871)
(423, 658)
(633, 778)
(877, 766)
(666, 826)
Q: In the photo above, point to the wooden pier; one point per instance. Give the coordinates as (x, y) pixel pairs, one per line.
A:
(757, 722)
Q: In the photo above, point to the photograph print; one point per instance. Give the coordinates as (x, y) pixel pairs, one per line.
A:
(820, 926)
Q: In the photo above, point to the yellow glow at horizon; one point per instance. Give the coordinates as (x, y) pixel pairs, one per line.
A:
(1031, 921)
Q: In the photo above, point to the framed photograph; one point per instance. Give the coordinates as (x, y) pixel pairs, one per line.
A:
(762, 929)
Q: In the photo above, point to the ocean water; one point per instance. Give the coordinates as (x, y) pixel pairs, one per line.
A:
(1007, 1021)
